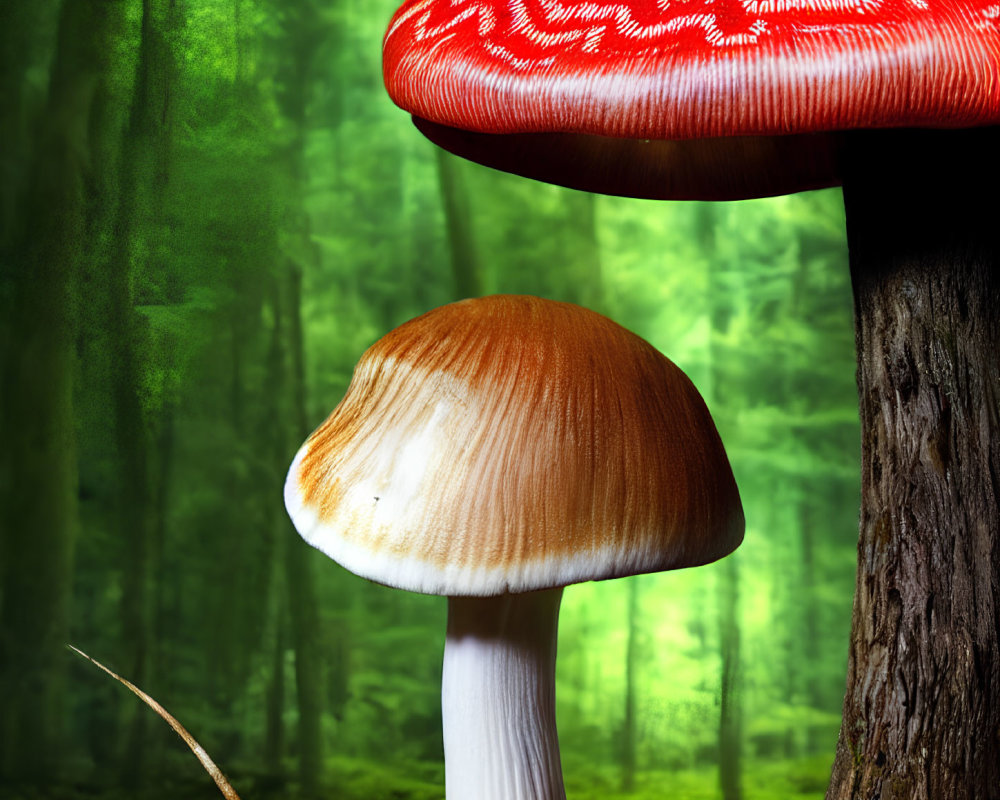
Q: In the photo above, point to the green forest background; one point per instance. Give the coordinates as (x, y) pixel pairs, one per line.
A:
(208, 210)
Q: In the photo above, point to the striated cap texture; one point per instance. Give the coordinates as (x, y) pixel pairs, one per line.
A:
(687, 99)
(511, 443)
(677, 69)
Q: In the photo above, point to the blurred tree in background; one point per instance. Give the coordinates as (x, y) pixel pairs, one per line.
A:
(208, 210)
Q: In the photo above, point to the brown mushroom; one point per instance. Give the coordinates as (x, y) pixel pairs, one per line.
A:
(496, 450)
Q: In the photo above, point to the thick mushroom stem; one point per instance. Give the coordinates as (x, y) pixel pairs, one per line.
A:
(498, 697)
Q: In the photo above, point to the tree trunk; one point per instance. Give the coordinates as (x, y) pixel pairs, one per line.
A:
(274, 410)
(274, 727)
(922, 709)
(583, 260)
(302, 602)
(458, 221)
(27, 31)
(42, 244)
(629, 725)
(807, 627)
(142, 172)
(707, 222)
(731, 705)
(305, 32)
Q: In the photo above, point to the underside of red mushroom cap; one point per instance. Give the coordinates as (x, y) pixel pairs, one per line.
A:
(692, 69)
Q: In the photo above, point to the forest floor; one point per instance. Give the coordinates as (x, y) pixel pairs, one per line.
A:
(359, 779)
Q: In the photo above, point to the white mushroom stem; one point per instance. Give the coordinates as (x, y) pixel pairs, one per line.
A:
(498, 698)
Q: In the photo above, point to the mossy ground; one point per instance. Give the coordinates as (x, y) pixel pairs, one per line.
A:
(360, 779)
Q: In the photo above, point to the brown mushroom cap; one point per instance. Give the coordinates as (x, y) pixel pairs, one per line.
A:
(512, 443)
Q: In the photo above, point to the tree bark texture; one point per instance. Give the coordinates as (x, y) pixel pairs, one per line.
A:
(922, 710)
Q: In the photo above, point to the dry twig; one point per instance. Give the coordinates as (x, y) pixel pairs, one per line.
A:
(220, 780)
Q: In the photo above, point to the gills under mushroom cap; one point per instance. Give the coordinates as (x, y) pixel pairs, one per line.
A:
(512, 443)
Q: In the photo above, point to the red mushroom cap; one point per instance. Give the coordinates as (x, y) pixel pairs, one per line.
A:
(686, 69)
